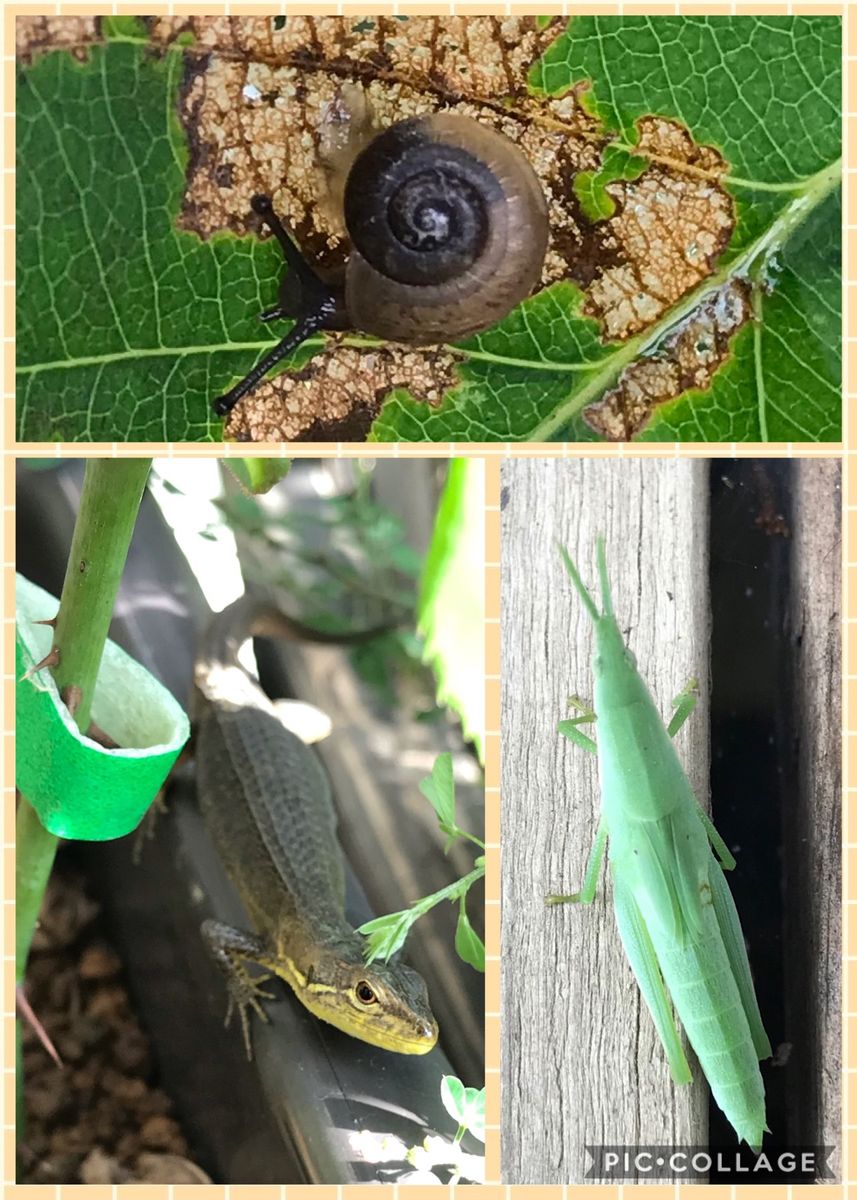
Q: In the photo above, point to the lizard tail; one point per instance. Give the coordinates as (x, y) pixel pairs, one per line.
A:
(254, 616)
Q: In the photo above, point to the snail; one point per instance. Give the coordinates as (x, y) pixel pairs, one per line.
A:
(448, 228)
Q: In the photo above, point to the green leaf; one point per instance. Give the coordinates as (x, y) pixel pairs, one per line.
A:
(131, 28)
(451, 614)
(258, 475)
(765, 92)
(468, 944)
(783, 380)
(465, 1105)
(590, 187)
(128, 326)
(385, 935)
(439, 790)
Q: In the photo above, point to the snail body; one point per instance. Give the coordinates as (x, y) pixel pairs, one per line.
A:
(449, 230)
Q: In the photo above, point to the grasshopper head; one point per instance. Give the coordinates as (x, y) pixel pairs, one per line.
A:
(615, 668)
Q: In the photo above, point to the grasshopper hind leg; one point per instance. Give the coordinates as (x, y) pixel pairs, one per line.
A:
(590, 880)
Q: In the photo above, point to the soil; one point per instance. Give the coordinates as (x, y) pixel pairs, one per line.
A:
(100, 1118)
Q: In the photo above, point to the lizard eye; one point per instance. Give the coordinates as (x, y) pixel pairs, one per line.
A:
(365, 993)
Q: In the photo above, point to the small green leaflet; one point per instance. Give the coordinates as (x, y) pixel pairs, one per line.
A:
(465, 1105)
(439, 790)
(386, 935)
(468, 944)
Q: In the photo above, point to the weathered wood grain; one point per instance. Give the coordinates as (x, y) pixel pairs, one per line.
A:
(812, 829)
(581, 1060)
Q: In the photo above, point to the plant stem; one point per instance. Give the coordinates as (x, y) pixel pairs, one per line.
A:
(471, 837)
(112, 491)
(34, 857)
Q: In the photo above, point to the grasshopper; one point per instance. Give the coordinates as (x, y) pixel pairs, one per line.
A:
(675, 913)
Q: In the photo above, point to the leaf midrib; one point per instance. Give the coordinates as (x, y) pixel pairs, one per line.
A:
(816, 191)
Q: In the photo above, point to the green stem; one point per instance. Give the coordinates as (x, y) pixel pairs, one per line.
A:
(34, 857)
(112, 491)
(471, 837)
(451, 892)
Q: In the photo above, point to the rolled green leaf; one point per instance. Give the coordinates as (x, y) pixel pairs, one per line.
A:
(78, 788)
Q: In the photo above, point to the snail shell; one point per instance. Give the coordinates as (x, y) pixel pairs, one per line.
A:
(449, 229)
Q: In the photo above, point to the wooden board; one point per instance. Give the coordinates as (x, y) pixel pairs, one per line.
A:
(581, 1060)
(812, 827)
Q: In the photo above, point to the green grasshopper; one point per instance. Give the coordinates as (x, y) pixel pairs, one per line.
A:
(675, 913)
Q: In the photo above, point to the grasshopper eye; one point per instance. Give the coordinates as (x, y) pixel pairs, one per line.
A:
(364, 993)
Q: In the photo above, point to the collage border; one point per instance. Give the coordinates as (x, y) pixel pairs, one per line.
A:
(492, 453)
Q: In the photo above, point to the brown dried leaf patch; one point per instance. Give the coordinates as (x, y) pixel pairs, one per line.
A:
(666, 235)
(283, 111)
(338, 394)
(689, 358)
(34, 35)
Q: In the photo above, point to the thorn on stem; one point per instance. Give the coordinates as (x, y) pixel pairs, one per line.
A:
(71, 697)
(23, 1006)
(98, 735)
(50, 660)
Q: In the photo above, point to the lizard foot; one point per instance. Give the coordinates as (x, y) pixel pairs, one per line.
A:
(245, 993)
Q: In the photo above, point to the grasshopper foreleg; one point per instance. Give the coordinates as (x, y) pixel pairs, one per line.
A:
(684, 704)
(568, 728)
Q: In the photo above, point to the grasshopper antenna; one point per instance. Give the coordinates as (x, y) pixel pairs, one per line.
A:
(606, 596)
(580, 586)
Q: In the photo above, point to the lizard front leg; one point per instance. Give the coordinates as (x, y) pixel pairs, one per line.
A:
(232, 949)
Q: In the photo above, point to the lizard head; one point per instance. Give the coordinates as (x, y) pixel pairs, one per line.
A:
(384, 1004)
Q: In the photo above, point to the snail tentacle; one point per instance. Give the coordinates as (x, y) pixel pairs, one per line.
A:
(319, 303)
(263, 206)
(304, 328)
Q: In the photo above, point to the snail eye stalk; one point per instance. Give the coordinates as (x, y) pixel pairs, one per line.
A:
(317, 308)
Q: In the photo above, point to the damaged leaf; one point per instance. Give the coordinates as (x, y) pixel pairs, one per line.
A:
(691, 169)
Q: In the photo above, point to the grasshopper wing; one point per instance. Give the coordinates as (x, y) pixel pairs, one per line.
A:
(644, 963)
(736, 952)
(665, 863)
